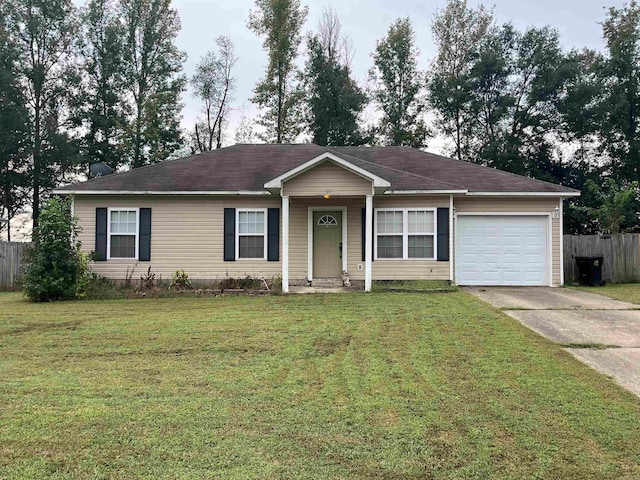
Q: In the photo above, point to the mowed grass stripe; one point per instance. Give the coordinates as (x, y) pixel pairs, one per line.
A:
(333, 386)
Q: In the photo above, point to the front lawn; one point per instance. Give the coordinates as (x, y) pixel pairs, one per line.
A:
(312, 386)
(627, 292)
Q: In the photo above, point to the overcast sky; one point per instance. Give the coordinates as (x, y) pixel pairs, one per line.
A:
(366, 22)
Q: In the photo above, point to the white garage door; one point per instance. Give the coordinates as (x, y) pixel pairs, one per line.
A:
(501, 250)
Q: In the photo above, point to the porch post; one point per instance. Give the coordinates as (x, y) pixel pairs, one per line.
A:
(285, 244)
(368, 243)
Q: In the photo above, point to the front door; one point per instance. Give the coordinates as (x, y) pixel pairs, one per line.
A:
(327, 243)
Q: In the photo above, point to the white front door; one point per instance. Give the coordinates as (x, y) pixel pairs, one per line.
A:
(502, 250)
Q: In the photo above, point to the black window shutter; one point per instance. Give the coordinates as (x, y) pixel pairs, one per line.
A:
(273, 234)
(443, 234)
(101, 235)
(229, 234)
(144, 246)
(363, 222)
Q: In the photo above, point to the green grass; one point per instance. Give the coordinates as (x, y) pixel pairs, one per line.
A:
(412, 285)
(401, 386)
(627, 292)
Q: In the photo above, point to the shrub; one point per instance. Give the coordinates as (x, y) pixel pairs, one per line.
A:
(55, 266)
(180, 280)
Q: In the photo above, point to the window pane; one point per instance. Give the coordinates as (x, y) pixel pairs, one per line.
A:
(123, 222)
(421, 246)
(389, 222)
(123, 246)
(251, 247)
(250, 222)
(420, 222)
(390, 246)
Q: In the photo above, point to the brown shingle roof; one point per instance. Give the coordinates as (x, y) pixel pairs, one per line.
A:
(249, 167)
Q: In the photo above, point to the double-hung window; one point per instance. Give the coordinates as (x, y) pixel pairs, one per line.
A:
(251, 234)
(122, 235)
(405, 233)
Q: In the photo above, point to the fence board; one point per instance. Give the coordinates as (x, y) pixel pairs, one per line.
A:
(621, 254)
(10, 263)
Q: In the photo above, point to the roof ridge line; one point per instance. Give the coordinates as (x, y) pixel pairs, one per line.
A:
(468, 162)
(404, 172)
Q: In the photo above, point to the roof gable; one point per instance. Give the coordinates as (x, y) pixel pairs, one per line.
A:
(379, 184)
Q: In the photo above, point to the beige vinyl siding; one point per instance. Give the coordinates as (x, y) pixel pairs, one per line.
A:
(543, 205)
(186, 233)
(327, 177)
(299, 228)
(384, 269)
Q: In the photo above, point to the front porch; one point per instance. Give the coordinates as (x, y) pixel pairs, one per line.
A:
(324, 242)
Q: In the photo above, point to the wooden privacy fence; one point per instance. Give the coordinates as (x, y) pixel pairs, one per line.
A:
(10, 260)
(621, 254)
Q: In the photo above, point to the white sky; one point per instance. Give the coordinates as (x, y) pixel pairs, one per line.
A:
(366, 22)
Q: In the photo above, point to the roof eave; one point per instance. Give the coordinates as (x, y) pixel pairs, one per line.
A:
(524, 194)
(63, 191)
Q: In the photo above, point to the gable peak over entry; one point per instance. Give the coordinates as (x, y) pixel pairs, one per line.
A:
(380, 185)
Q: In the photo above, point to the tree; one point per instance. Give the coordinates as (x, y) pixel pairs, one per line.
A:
(103, 108)
(620, 106)
(152, 67)
(45, 33)
(398, 85)
(213, 83)
(336, 46)
(614, 204)
(55, 266)
(280, 23)
(458, 32)
(245, 132)
(14, 119)
(334, 99)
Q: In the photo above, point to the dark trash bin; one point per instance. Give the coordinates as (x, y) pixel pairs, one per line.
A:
(590, 270)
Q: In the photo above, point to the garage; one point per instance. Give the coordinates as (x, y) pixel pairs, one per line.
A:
(502, 250)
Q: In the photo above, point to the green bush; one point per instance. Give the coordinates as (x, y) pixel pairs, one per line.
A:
(55, 268)
(180, 280)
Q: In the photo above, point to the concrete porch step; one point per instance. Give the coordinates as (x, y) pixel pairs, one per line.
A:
(327, 282)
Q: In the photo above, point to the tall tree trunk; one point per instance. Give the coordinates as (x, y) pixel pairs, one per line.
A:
(37, 147)
(280, 103)
(137, 139)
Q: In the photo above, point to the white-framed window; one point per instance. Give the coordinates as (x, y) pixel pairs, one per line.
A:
(251, 234)
(122, 233)
(405, 233)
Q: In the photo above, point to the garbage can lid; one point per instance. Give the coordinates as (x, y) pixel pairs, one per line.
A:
(590, 257)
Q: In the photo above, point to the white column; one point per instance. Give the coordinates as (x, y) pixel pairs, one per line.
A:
(285, 244)
(368, 242)
(451, 234)
(561, 221)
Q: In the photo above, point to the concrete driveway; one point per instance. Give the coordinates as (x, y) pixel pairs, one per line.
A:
(602, 332)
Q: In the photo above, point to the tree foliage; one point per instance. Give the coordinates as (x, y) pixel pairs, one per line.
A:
(45, 33)
(398, 87)
(103, 107)
(14, 134)
(213, 84)
(334, 99)
(152, 68)
(613, 203)
(55, 266)
(279, 93)
(459, 32)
